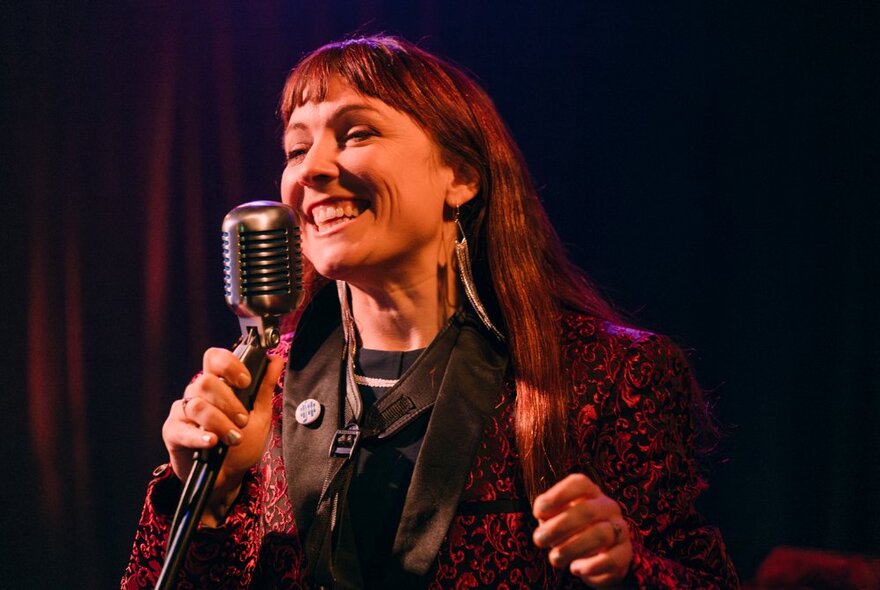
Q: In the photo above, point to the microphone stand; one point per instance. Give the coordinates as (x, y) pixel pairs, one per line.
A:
(251, 350)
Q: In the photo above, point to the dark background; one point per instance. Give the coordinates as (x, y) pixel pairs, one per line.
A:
(713, 165)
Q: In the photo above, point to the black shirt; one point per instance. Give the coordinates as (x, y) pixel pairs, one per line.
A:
(383, 468)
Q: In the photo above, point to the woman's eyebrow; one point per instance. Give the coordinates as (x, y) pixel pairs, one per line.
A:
(339, 112)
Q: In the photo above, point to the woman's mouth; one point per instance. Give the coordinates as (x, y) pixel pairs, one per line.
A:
(328, 216)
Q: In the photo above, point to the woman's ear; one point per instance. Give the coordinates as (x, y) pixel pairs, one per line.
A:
(463, 187)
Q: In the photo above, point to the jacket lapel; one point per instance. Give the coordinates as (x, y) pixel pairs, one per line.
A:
(469, 394)
(314, 372)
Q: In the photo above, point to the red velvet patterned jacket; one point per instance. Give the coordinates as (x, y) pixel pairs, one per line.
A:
(630, 422)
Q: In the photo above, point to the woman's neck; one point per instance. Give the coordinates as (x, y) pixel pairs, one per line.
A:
(404, 317)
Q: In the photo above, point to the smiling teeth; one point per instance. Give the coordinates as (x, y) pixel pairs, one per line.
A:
(327, 213)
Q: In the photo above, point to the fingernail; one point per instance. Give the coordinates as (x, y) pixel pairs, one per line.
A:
(540, 537)
(206, 438)
(233, 437)
(243, 379)
(240, 420)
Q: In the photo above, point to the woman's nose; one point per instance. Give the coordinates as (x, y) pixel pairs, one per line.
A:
(319, 164)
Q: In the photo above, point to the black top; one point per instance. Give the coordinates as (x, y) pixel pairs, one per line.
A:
(383, 468)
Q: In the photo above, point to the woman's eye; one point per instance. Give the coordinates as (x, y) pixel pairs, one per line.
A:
(295, 156)
(358, 135)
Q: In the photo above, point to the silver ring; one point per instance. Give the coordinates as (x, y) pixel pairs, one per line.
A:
(183, 403)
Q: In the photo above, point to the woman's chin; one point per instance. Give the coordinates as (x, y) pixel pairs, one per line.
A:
(334, 272)
(342, 268)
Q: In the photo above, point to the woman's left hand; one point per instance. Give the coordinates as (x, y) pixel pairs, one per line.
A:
(584, 530)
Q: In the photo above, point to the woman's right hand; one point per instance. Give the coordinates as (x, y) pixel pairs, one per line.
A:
(212, 413)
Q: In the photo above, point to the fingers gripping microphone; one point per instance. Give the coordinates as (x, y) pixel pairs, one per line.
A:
(262, 268)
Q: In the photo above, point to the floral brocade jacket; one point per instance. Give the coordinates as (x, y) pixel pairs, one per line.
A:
(630, 424)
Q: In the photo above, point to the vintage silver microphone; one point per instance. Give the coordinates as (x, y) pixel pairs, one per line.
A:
(262, 270)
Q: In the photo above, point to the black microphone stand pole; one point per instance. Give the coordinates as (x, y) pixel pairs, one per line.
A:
(251, 350)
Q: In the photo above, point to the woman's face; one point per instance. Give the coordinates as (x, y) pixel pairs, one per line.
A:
(370, 189)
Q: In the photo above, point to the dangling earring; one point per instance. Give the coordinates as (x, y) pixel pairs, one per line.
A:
(350, 333)
(463, 257)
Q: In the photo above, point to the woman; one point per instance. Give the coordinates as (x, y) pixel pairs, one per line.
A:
(490, 423)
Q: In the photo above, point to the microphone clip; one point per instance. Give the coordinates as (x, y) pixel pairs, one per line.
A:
(263, 329)
(257, 336)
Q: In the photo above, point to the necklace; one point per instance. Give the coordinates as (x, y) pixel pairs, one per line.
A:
(374, 381)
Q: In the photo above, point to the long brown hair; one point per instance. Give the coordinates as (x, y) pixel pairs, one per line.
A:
(522, 272)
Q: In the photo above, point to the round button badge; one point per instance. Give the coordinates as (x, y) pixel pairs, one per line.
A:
(308, 411)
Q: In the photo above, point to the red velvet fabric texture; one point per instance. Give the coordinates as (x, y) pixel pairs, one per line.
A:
(629, 420)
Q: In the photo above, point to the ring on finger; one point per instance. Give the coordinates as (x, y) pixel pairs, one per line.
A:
(618, 530)
(183, 403)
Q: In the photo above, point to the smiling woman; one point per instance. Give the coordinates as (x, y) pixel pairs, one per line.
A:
(498, 426)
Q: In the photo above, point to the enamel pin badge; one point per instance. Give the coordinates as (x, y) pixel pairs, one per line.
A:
(308, 411)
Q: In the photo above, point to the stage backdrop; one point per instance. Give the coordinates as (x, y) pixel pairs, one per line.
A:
(713, 165)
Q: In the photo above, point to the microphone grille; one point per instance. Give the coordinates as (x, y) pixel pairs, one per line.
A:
(262, 268)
